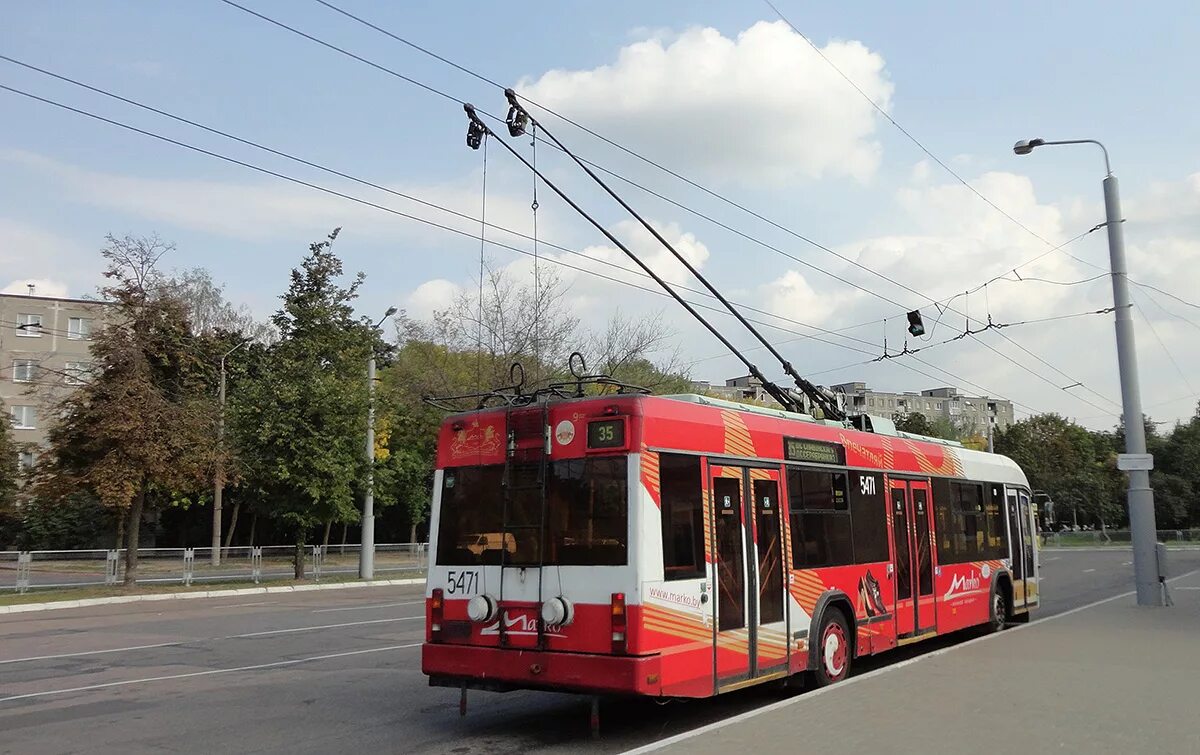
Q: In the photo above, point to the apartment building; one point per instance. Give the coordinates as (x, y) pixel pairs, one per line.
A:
(965, 412)
(969, 413)
(45, 349)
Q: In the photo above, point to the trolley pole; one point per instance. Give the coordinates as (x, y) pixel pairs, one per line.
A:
(1135, 461)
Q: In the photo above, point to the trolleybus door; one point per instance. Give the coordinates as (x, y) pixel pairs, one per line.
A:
(749, 609)
(1020, 539)
(912, 558)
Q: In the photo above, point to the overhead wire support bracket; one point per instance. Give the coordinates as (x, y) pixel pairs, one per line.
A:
(775, 391)
(519, 118)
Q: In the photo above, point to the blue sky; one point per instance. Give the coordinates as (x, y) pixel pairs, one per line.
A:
(744, 107)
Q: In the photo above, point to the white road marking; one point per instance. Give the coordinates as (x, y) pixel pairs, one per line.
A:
(242, 605)
(209, 672)
(367, 608)
(702, 730)
(1127, 563)
(208, 639)
(1088, 571)
(89, 652)
(270, 632)
(1188, 588)
(1052, 559)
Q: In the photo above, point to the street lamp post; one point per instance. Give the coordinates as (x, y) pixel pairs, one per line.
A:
(1135, 461)
(219, 473)
(366, 553)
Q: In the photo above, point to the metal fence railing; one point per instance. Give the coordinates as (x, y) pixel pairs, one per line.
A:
(29, 570)
(1117, 538)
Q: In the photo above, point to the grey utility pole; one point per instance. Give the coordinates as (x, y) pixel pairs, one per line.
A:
(219, 474)
(1135, 461)
(366, 554)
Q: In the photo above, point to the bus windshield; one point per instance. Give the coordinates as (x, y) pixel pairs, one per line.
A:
(586, 520)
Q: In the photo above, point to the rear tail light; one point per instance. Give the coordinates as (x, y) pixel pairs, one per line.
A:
(435, 614)
(619, 622)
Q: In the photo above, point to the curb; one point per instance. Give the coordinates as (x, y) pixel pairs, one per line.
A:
(85, 602)
(1107, 548)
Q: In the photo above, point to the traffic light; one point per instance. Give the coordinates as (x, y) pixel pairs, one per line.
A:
(915, 326)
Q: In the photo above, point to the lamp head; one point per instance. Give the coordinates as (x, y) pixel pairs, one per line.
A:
(1025, 146)
(390, 311)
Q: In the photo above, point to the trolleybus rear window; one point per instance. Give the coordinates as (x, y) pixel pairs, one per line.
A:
(586, 517)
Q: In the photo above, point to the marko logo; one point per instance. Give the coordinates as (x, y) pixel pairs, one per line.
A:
(520, 625)
(962, 585)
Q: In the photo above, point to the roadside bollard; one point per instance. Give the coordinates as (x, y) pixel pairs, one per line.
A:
(189, 562)
(24, 561)
(112, 560)
(256, 563)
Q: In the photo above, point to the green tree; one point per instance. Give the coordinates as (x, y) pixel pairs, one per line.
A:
(1073, 465)
(138, 435)
(301, 421)
(913, 422)
(9, 481)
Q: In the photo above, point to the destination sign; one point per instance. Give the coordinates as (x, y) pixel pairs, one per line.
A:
(813, 451)
(609, 433)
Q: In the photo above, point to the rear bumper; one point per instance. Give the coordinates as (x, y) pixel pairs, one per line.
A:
(506, 669)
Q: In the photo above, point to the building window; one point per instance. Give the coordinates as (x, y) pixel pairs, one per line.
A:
(870, 402)
(25, 460)
(29, 326)
(79, 328)
(77, 373)
(24, 370)
(939, 406)
(23, 417)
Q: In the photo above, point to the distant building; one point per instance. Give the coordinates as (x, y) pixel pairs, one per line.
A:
(969, 413)
(965, 412)
(746, 388)
(45, 349)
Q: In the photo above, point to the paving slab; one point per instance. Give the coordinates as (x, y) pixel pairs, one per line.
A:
(1106, 678)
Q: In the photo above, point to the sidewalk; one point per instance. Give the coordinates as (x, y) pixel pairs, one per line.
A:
(1110, 678)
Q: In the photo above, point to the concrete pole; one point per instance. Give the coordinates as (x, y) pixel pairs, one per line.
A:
(1142, 526)
(366, 556)
(219, 475)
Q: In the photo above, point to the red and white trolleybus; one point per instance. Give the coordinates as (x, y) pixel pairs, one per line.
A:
(685, 546)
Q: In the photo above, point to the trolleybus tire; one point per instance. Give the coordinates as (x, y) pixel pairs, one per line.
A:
(999, 610)
(834, 650)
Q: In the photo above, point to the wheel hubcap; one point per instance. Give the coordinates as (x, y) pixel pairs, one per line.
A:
(834, 651)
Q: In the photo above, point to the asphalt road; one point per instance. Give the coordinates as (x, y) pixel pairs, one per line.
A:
(337, 671)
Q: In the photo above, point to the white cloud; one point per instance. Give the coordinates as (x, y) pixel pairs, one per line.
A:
(41, 287)
(760, 107)
(431, 296)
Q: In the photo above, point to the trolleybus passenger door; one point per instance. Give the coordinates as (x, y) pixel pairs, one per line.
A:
(751, 634)
(906, 616)
(926, 618)
(1016, 547)
(1020, 539)
(769, 631)
(912, 558)
(1029, 526)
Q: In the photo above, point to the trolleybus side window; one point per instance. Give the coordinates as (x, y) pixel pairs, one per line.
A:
(868, 518)
(820, 518)
(682, 516)
(995, 533)
(970, 527)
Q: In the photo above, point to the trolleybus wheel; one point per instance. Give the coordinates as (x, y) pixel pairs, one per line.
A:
(834, 651)
(999, 609)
